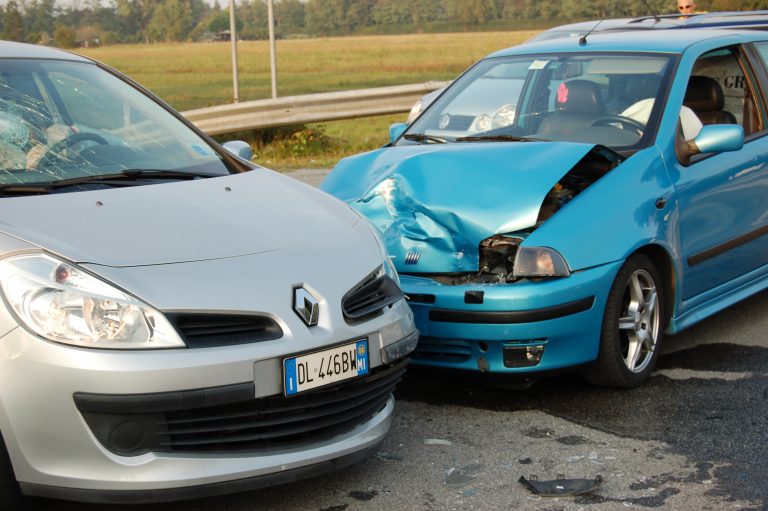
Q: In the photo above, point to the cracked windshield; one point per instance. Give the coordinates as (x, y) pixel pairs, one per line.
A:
(63, 120)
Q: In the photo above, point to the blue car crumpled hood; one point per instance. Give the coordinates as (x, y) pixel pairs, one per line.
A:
(441, 201)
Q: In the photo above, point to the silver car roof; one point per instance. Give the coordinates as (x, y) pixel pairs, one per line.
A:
(12, 50)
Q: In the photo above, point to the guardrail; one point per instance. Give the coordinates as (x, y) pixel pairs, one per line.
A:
(327, 106)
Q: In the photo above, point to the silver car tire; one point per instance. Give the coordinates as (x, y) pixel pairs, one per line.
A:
(633, 326)
(11, 498)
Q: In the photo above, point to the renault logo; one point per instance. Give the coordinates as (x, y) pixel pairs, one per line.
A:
(306, 306)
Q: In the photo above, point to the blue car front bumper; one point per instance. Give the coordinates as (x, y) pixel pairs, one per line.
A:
(526, 327)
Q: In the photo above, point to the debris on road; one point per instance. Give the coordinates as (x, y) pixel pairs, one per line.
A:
(561, 486)
(462, 475)
(437, 441)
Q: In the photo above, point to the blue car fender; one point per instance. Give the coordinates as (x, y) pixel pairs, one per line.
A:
(618, 214)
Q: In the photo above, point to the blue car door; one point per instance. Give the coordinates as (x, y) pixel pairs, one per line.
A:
(723, 198)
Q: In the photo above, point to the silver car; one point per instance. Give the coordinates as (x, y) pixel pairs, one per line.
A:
(176, 321)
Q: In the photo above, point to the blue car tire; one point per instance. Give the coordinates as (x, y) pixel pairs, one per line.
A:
(633, 326)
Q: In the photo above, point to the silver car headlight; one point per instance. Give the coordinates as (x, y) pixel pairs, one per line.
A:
(482, 123)
(540, 262)
(388, 268)
(63, 303)
(504, 116)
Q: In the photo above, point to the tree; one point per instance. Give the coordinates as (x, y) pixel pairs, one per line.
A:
(220, 21)
(65, 37)
(136, 15)
(13, 25)
(421, 11)
(172, 20)
(326, 16)
(289, 16)
(390, 12)
(254, 19)
(470, 11)
(39, 18)
(729, 5)
(358, 13)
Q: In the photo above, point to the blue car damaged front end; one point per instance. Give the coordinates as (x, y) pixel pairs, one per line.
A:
(455, 219)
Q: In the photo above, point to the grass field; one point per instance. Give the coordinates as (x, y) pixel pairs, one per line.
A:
(194, 75)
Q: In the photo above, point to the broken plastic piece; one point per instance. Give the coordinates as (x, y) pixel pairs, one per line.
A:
(437, 441)
(561, 486)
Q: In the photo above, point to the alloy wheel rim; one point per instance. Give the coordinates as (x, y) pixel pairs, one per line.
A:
(639, 321)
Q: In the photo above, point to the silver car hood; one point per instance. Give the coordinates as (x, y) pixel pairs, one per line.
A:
(242, 214)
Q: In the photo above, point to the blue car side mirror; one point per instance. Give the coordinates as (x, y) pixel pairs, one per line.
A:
(395, 130)
(240, 149)
(719, 138)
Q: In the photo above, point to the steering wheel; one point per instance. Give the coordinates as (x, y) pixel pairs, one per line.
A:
(625, 122)
(54, 152)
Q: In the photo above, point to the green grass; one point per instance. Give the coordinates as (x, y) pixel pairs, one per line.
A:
(195, 75)
(342, 138)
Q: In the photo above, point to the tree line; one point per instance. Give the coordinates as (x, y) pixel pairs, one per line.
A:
(129, 21)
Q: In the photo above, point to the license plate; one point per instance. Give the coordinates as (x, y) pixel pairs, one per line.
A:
(325, 367)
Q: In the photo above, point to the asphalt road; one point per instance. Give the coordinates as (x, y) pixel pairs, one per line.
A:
(694, 438)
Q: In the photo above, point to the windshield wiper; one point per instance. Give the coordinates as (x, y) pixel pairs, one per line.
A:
(498, 138)
(123, 178)
(421, 137)
(22, 189)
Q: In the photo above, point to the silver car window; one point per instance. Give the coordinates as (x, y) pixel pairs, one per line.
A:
(63, 120)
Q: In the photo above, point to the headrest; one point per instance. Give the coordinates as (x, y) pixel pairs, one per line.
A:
(644, 87)
(704, 94)
(579, 97)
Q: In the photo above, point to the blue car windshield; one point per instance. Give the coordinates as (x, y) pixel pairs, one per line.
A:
(609, 99)
(64, 120)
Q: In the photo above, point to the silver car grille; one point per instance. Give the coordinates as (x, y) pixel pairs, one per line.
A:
(229, 419)
(369, 298)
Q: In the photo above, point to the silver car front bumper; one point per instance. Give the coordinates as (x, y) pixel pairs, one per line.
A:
(55, 453)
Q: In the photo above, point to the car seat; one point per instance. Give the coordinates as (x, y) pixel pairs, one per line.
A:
(705, 97)
(578, 104)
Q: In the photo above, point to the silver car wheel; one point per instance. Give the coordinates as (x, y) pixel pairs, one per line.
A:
(633, 326)
(639, 321)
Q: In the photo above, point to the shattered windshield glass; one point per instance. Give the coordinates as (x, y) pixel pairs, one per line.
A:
(610, 99)
(64, 121)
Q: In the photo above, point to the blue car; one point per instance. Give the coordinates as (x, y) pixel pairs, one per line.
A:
(625, 196)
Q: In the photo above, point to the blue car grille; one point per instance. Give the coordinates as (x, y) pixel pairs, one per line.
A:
(449, 350)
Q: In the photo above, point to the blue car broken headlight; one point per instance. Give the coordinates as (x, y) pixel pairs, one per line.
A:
(540, 262)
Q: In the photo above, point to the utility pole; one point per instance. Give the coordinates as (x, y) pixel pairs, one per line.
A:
(272, 52)
(233, 39)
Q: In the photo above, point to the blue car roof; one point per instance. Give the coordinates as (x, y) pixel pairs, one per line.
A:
(737, 19)
(653, 41)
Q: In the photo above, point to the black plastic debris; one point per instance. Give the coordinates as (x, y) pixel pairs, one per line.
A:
(561, 486)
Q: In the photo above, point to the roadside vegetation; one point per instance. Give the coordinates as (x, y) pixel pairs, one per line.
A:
(195, 75)
(167, 45)
(89, 22)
